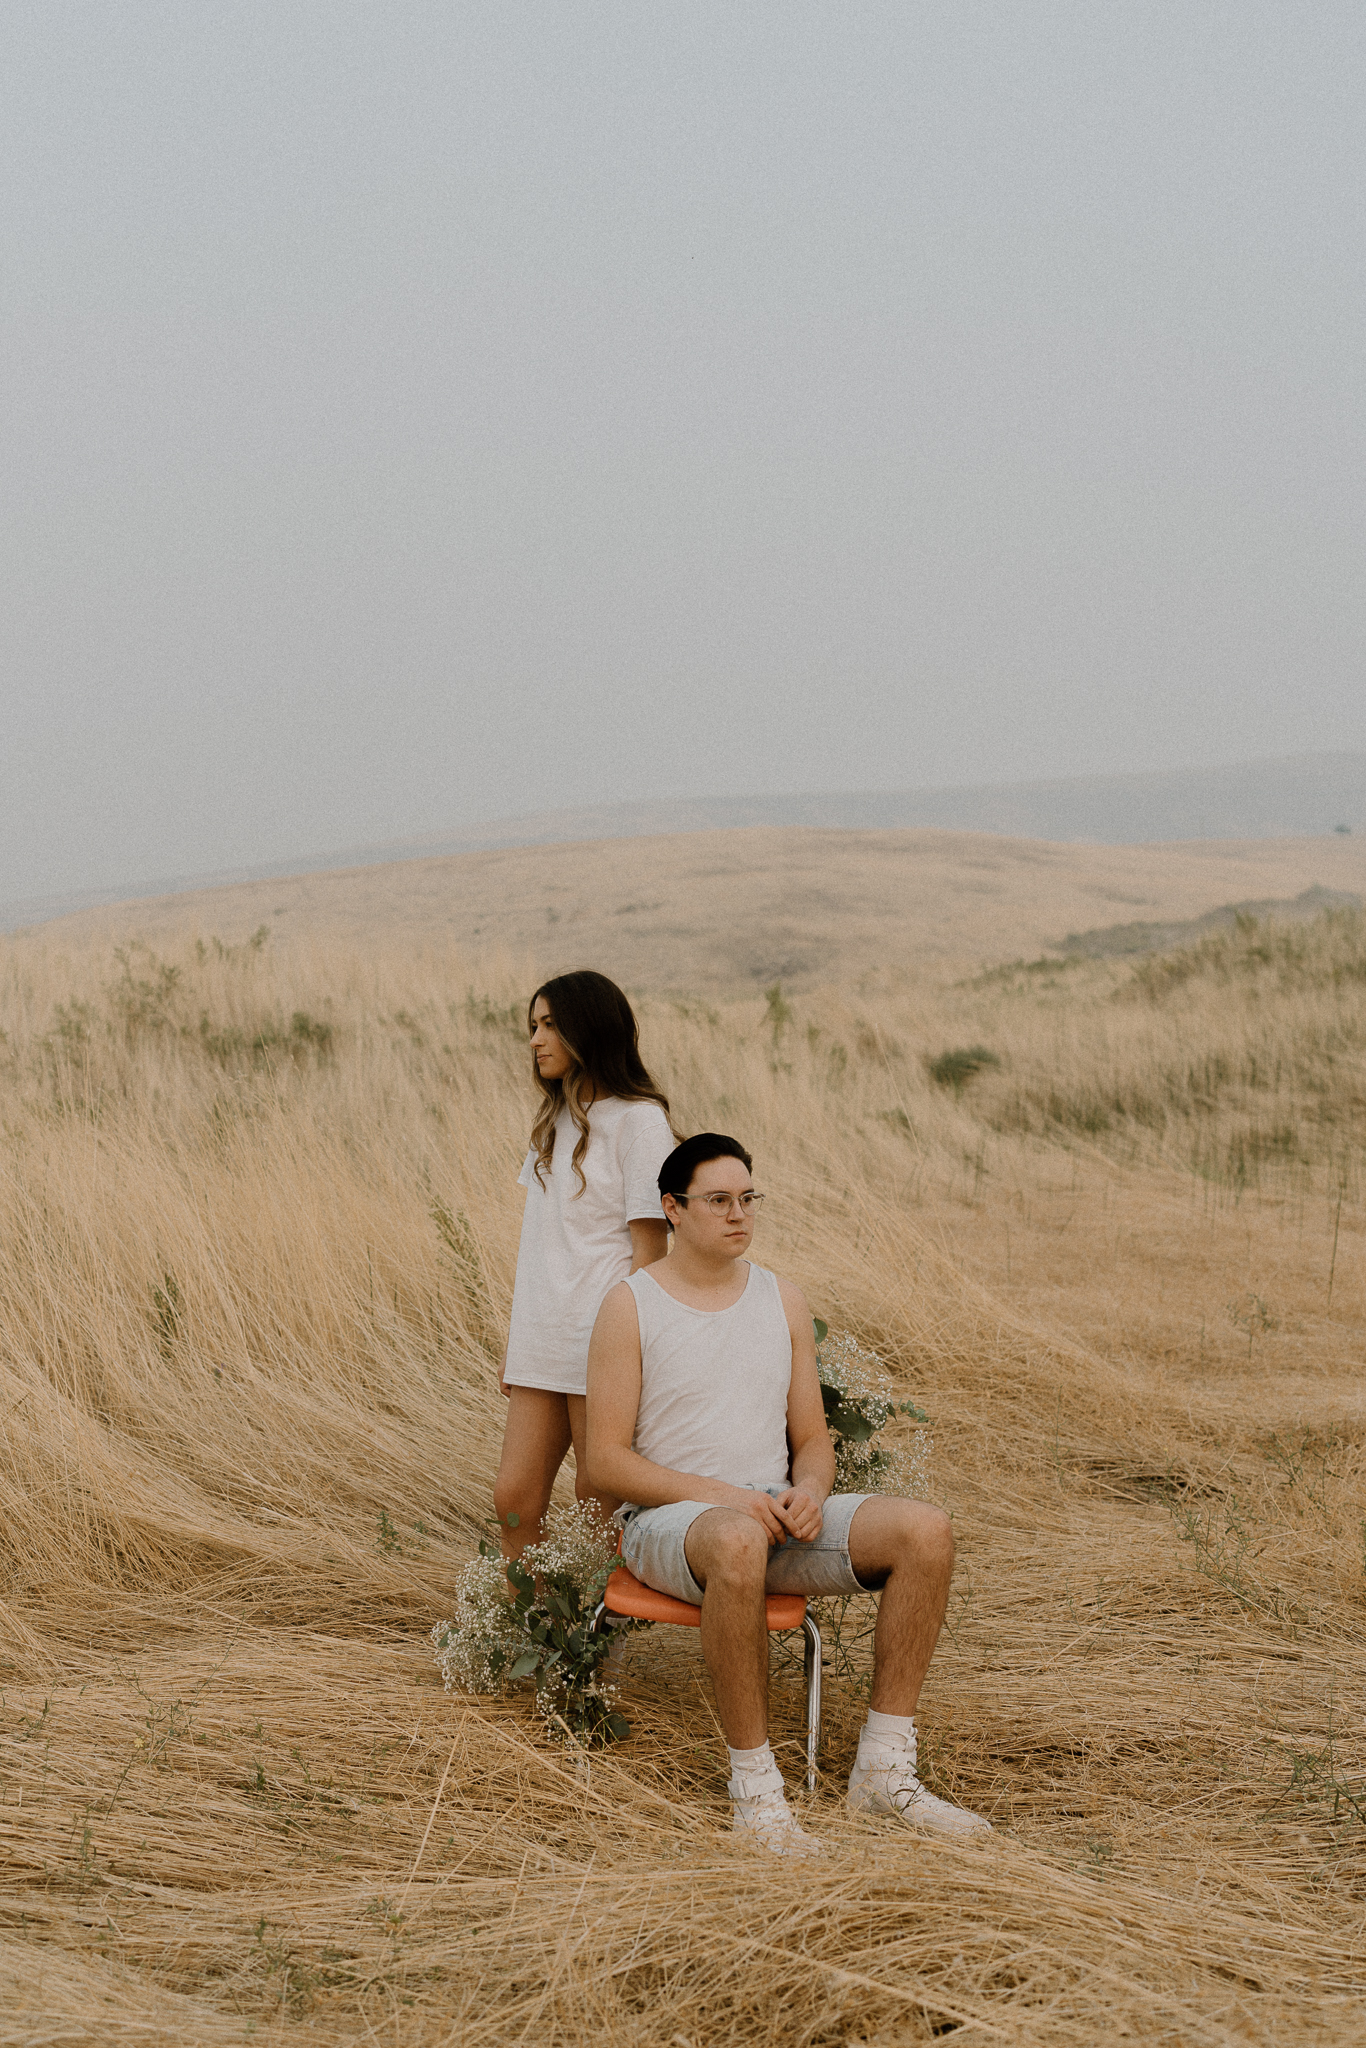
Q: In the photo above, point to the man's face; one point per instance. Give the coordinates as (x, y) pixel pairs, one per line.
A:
(712, 1220)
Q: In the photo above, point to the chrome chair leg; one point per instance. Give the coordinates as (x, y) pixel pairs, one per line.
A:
(813, 1698)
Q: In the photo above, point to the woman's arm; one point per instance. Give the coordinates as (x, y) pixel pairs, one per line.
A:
(647, 1142)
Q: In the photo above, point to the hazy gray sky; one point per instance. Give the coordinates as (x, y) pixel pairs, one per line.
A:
(414, 413)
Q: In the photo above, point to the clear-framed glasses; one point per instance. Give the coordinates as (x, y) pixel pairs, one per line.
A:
(722, 1203)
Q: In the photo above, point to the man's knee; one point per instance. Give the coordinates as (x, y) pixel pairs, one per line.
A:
(890, 1536)
(925, 1535)
(728, 1547)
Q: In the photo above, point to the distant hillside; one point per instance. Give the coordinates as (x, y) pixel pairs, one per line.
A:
(714, 913)
(1297, 796)
(1114, 941)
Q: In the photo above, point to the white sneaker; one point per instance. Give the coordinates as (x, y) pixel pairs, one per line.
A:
(761, 1813)
(883, 1780)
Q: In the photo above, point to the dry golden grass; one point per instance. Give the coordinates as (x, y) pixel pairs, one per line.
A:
(259, 1218)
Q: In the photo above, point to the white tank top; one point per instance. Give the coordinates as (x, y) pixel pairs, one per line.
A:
(714, 1383)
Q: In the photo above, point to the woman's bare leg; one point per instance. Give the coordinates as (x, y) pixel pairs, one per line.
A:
(606, 1503)
(535, 1440)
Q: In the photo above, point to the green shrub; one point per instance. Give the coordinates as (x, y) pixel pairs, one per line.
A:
(954, 1069)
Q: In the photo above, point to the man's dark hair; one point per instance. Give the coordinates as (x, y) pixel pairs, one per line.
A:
(675, 1175)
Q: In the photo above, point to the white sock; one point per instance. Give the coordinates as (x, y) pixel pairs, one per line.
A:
(884, 1731)
(749, 1760)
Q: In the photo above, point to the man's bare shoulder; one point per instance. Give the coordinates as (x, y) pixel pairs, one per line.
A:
(614, 1346)
(794, 1301)
(619, 1304)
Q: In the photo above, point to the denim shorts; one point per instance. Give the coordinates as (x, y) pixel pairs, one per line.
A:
(652, 1547)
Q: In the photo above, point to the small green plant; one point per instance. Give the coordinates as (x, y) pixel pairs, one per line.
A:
(779, 1012)
(86, 1856)
(493, 1016)
(955, 1068)
(166, 1309)
(391, 1541)
(543, 1633)
(1305, 1460)
(144, 1002)
(1317, 1778)
(301, 1037)
(1251, 1313)
(71, 1023)
(274, 1956)
(306, 1031)
(1220, 1545)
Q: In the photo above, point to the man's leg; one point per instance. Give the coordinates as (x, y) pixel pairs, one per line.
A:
(908, 1545)
(727, 1554)
(912, 1544)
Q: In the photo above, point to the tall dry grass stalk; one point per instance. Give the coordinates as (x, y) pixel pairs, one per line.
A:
(258, 1219)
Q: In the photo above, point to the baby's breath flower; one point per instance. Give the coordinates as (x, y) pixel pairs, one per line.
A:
(878, 1468)
(536, 1626)
(853, 1368)
(859, 1403)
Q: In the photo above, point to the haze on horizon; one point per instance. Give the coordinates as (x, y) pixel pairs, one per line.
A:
(417, 416)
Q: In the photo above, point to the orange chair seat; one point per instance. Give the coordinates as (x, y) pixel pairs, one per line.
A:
(626, 1595)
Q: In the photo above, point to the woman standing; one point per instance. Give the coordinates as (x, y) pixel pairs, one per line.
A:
(592, 1217)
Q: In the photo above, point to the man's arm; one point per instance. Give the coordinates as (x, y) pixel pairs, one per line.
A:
(613, 1403)
(813, 1454)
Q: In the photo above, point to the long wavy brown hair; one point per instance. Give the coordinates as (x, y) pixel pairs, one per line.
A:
(598, 1029)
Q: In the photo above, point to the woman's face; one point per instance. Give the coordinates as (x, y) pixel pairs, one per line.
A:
(548, 1049)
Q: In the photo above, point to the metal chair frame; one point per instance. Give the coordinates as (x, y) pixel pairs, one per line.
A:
(627, 1596)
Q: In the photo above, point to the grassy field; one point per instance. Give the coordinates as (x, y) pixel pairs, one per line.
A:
(1105, 1221)
(724, 913)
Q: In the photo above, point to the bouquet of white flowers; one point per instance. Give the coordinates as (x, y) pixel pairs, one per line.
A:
(532, 1619)
(859, 1403)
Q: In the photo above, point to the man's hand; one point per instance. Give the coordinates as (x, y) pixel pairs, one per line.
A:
(793, 1513)
(803, 1514)
(765, 1511)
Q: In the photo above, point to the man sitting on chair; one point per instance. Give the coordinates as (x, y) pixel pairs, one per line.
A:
(705, 1417)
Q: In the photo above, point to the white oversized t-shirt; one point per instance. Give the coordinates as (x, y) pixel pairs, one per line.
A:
(576, 1246)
